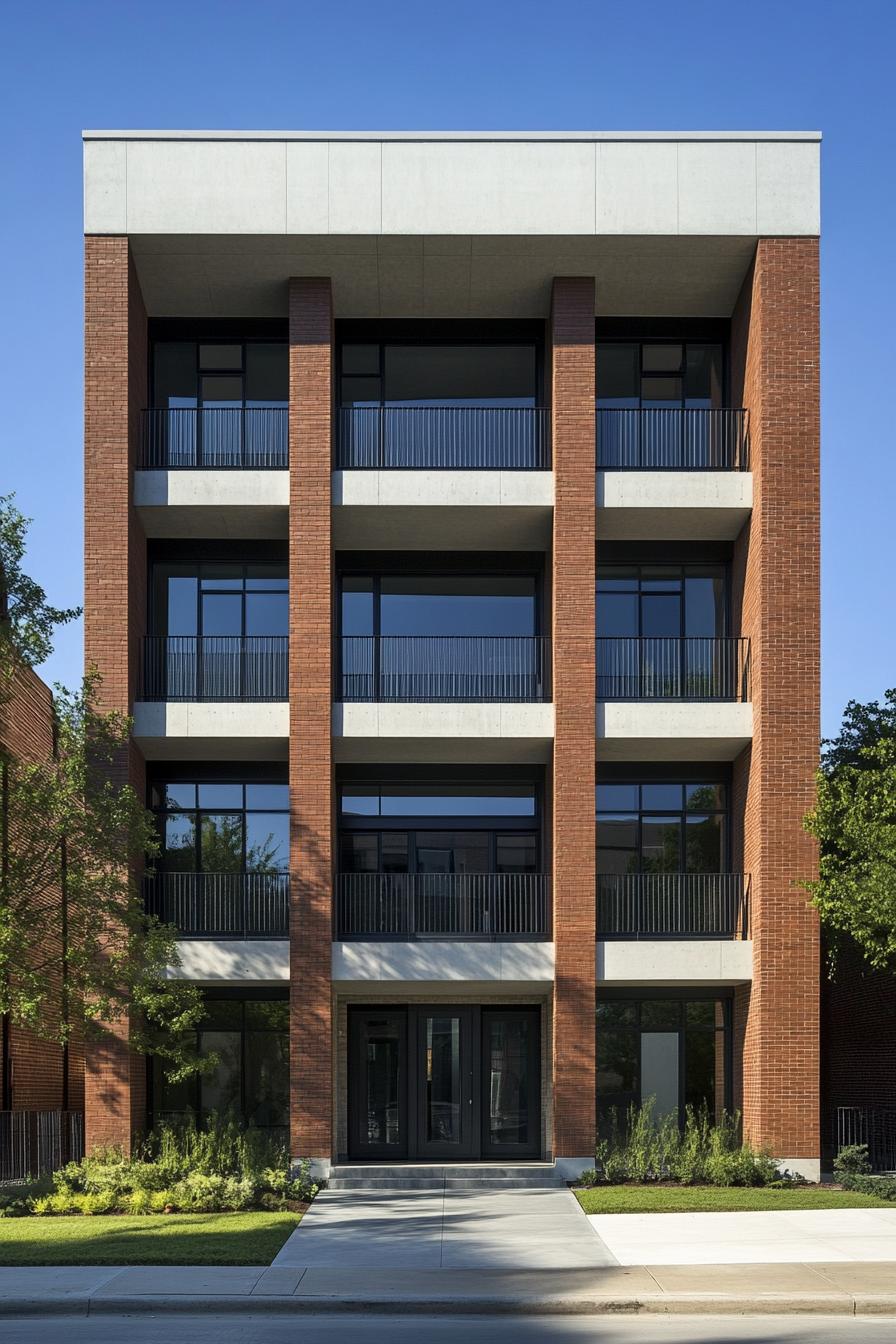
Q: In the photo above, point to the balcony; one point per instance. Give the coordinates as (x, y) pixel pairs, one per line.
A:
(443, 438)
(488, 907)
(220, 905)
(659, 668)
(215, 668)
(214, 438)
(677, 439)
(440, 669)
(673, 905)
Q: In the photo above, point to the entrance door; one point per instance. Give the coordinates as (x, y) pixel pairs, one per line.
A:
(447, 1101)
(444, 1083)
(378, 1084)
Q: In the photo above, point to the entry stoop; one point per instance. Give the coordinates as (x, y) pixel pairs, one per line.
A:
(452, 1176)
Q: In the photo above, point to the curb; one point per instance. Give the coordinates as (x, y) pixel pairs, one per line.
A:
(679, 1304)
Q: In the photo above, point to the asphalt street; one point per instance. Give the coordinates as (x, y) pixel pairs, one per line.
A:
(382, 1329)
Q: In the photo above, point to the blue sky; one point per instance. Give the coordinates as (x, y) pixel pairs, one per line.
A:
(508, 66)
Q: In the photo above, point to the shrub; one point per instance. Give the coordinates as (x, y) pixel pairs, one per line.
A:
(852, 1160)
(653, 1149)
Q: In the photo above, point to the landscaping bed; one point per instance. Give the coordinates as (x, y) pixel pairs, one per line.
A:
(163, 1239)
(661, 1198)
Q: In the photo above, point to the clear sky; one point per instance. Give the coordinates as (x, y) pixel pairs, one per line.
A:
(513, 65)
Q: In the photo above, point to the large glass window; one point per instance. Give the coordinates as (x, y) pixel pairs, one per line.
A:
(423, 827)
(674, 1050)
(401, 375)
(439, 604)
(634, 375)
(220, 599)
(661, 827)
(661, 601)
(220, 374)
(251, 1080)
(222, 827)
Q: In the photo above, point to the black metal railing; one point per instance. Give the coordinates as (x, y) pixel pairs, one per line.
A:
(490, 906)
(874, 1126)
(676, 439)
(452, 438)
(215, 438)
(215, 667)
(220, 905)
(35, 1143)
(673, 905)
(653, 668)
(442, 668)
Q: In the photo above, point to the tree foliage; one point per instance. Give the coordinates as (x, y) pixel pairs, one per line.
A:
(27, 620)
(73, 931)
(854, 821)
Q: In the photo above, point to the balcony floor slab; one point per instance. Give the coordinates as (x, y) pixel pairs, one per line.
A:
(670, 730)
(672, 505)
(213, 504)
(190, 730)
(672, 961)
(447, 964)
(261, 961)
(470, 733)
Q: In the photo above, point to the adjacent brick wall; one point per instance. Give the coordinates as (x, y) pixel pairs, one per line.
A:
(775, 358)
(310, 699)
(115, 369)
(858, 1026)
(40, 1075)
(573, 430)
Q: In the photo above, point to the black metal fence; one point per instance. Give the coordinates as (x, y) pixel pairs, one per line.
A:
(407, 906)
(33, 1143)
(464, 438)
(215, 438)
(215, 667)
(649, 668)
(676, 439)
(220, 905)
(443, 668)
(871, 1125)
(673, 905)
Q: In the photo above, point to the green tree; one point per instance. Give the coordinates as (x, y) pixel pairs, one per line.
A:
(77, 950)
(854, 822)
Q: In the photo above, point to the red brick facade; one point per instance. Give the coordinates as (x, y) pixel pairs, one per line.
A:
(310, 684)
(35, 1074)
(775, 350)
(115, 363)
(572, 423)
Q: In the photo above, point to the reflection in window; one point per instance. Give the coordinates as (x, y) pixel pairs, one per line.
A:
(675, 1050)
(219, 599)
(251, 1079)
(664, 827)
(658, 374)
(452, 604)
(438, 375)
(661, 601)
(198, 835)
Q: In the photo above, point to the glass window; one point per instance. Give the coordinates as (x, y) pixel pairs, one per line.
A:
(221, 795)
(661, 601)
(267, 614)
(180, 843)
(229, 827)
(217, 356)
(515, 853)
(618, 375)
(360, 853)
(268, 796)
(357, 606)
(457, 605)
(175, 374)
(363, 359)
(467, 375)
(659, 374)
(267, 842)
(668, 827)
(220, 600)
(267, 374)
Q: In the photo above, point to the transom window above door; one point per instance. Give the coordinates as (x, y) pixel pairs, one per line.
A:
(661, 601)
(632, 375)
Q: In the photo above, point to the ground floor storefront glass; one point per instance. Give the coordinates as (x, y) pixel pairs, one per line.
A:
(250, 1036)
(673, 1048)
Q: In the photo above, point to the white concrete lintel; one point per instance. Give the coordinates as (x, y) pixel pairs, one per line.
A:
(672, 730)
(447, 964)
(672, 505)
(671, 961)
(262, 961)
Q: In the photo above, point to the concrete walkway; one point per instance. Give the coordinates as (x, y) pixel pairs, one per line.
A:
(810, 1236)
(445, 1229)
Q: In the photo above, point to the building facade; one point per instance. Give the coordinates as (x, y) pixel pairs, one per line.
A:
(452, 538)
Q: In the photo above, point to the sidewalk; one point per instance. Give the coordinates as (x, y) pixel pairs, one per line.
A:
(825, 1289)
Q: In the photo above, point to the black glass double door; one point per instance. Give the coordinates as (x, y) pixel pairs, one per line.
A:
(443, 1083)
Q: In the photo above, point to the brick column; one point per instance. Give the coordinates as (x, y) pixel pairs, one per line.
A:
(572, 432)
(775, 358)
(115, 366)
(310, 700)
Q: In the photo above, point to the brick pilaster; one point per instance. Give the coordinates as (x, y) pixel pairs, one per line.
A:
(775, 357)
(115, 367)
(573, 430)
(310, 700)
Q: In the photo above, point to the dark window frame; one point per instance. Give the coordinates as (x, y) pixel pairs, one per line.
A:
(671, 333)
(160, 813)
(641, 812)
(156, 603)
(198, 341)
(683, 566)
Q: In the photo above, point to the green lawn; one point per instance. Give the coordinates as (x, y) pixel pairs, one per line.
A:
(158, 1239)
(716, 1199)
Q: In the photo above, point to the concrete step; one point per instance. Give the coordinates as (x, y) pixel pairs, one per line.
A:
(423, 1176)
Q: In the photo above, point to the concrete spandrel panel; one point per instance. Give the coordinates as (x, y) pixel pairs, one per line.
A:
(307, 188)
(787, 199)
(105, 194)
(637, 188)
(206, 187)
(495, 188)
(717, 188)
(355, 188)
